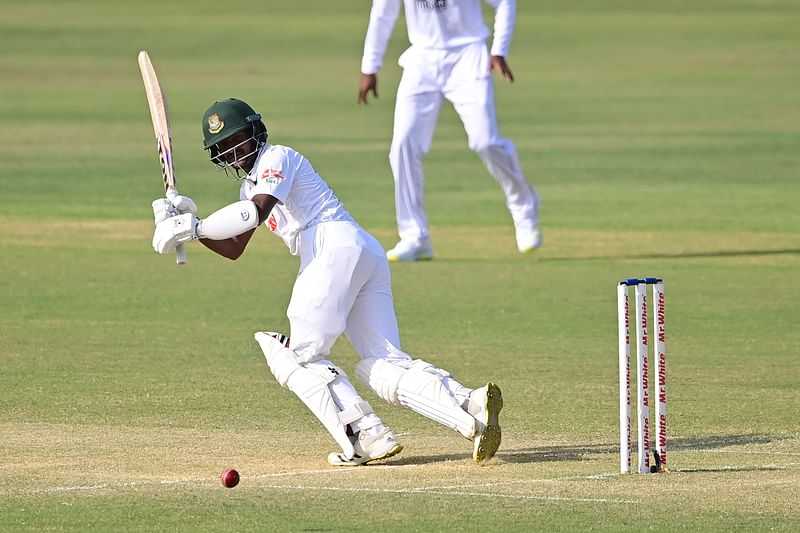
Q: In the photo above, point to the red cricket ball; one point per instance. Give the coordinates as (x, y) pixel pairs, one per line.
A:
(229, 478)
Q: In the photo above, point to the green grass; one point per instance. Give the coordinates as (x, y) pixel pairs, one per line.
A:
(663, 140)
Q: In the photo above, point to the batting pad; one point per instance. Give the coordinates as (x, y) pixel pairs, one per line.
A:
(311, 386)
(418, 388)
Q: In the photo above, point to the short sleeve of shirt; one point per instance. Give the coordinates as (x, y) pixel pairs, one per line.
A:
(274, 175)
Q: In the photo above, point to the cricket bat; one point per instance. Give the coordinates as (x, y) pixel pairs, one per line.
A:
(158, 112)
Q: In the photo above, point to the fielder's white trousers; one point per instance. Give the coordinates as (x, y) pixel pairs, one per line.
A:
(463, 77)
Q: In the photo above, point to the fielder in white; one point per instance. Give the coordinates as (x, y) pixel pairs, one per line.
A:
(343, 286)
(448, 58)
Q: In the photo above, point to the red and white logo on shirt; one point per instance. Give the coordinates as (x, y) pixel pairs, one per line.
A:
(272, 175)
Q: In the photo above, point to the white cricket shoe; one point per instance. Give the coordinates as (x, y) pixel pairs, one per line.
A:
(529, 237)
(368, 448)
(485, 405)
(411, 250)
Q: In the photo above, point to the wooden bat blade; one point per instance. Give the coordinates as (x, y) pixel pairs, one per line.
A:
(157, 103)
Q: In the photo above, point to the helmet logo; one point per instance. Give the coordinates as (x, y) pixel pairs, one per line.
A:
(215, 125)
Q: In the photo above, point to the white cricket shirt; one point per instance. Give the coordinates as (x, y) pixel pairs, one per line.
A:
(439, 24)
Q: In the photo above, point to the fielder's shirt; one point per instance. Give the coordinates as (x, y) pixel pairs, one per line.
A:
(437, 24)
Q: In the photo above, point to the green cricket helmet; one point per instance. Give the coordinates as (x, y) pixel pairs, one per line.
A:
(228, 117)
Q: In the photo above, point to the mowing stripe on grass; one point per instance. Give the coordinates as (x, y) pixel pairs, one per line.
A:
(454, 490)
(437, 490)
(423, 490)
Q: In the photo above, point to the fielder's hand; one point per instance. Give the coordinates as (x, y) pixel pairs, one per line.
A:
(174, 231)
(367, 84)
(498, 63)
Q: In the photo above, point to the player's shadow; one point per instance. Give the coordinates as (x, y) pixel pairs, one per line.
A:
(678, 255)
(583, 452)
(410, 460)
(717, 254)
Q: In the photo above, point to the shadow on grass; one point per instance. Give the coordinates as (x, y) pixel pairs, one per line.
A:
(718, 254)
(580, 452)
(763, 468)
(427, 459)
(679, 255)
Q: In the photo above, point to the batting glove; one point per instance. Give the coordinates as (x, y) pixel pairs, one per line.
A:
(163, 209)
(183, 204)
(174, 231)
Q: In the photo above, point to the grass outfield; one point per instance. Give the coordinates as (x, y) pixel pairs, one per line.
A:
(664, 141)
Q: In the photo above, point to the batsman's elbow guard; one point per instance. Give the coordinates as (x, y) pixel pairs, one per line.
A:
(230, 221)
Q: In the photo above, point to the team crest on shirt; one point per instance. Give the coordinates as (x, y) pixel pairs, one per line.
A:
(272, 175)
(215, 124)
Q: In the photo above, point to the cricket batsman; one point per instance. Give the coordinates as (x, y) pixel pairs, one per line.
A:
(343, 286)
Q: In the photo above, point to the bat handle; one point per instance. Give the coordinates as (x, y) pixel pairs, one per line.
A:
(180, 255)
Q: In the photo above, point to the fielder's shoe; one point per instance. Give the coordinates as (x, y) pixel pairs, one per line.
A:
(529, 237)
(411, 250)
(368, 448)
(485, 405)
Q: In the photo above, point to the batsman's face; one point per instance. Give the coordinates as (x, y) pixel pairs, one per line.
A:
(238, 151)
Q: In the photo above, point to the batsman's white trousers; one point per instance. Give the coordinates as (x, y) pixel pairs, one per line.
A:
(344, 286)
(463, 77)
